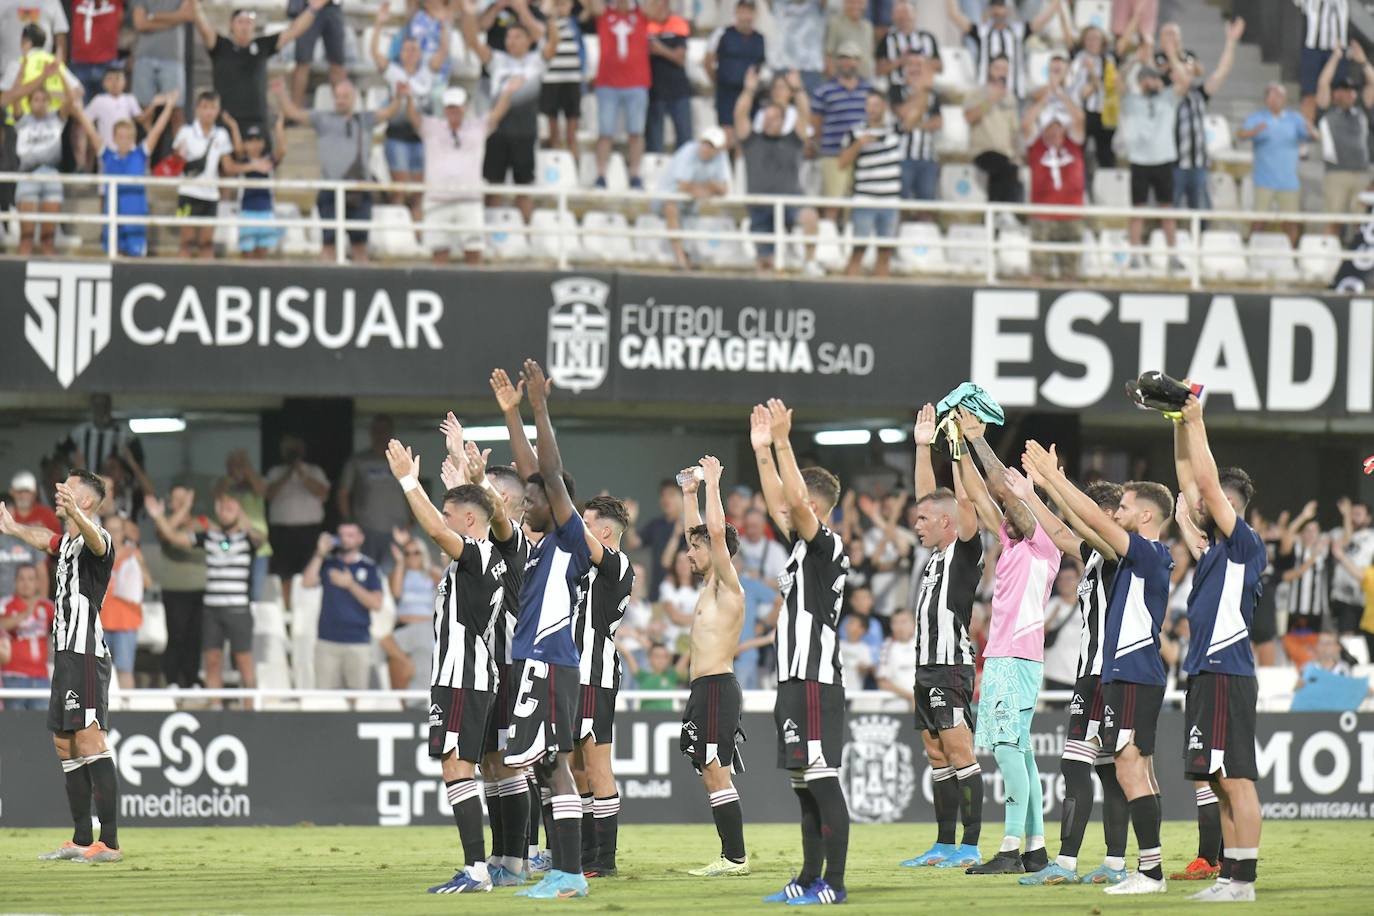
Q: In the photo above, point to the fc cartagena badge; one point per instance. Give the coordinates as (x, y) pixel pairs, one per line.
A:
(579, 333)
(876, 770)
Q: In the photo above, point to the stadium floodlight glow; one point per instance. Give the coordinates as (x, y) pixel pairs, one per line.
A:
(843, 437)
(146, 426)
(892, 435)
(495, 433)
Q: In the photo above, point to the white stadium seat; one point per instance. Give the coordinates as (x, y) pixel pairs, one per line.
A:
(226, 238)
(653, 250)
(919, 250)
(1160, 252)
(298, 241)
(696, 63)
(152, 632)
(395, 235)
(968, 253)
(558, 229)
(1319, 257)
(1090, 261)
(1038, 69)
(613, 249)
(555, 168)
(617, 175)
(1271, 257)
(954, 131)
(506, 239)
(1220, 144)
(959, 72)
(1092, 13)
(832, 252)
(305, 620)
(1223, 191)
(962, 183)
(1112, 188)
(650, 166)
(1013, 252)
(1112, 256)
(1223, 255)
(717, 251)
(591, 49)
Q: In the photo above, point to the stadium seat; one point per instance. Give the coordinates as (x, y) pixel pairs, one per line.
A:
(751, 253)
(1013, 252)
(394, 236)
(652, 250)
(832, 252)
(1092, 13)
(1223, 191)
(650, 165)
(962, 183)
(960, 73)
(953, 138)
(1037, 69)
(1112, 188)
(375, 98)
(1319, 257)
(305, 620)
(1271, 257)
(612, 249)
(1090, 261)
(696, 64)
(1357, 648)
(739, 178)
(270, 646)
(1223, 255)
(152, 632)
(617, 175)
(298, 241)
(555, 168)
(1160, 252)
(918, 249)
(377, 165)
(1220, 144)
(226, 238)
(968, 251)
(553, 233)
(719, 250)
(463, 65)
(586, 124)
(1112, 256)
(1275, 683)
(703, 114)
(506, 239)
(1247, 194)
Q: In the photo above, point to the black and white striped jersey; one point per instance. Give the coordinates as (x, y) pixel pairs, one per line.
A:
(82, 578)
(1190, 129)
(944, 606)
(516, 552)
(96, 443)
(1093, 589)
(1309, 596)
(1008, 41)
(467, 604)
(605, 595)
(812, 586)
(228, 567)
(896, 44)
(566, 65)
(1326, 23)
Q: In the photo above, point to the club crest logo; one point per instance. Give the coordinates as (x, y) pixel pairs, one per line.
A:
(876, 770)
(579, 334)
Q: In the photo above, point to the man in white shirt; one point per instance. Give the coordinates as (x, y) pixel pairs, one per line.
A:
(204, 146)
(897, 661)
(296, 493)
(760, 556)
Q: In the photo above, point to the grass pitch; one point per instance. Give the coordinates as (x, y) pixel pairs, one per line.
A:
(1305, 867)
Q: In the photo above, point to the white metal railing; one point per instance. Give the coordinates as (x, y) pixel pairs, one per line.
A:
(563, 198)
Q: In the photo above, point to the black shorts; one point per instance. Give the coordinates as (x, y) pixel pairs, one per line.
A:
(292, 548)
(196, 208)
(597, 714)
(711, 723)
(1220, 719)
(810, 720)
(560, 99)
(509, 154)
(1130, 715)
(1085, 709)
(233, 625)
(944, 697)
(458, 721)
(1265, 625)
(1156, 178)
(498, 724)
(544, 719)
(1346, 616)
(80, 692)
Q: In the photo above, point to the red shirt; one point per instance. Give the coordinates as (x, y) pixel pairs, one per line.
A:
(29, 643)
(624, 50)
(39, 515)
(1056, 175)
(95, 31)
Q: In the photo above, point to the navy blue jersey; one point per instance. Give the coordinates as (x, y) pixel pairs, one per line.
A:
(1140, 593)
(549, 595)
(1226, 587)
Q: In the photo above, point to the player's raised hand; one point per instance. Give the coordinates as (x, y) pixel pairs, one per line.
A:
(476, 460)
(688, 480)
(403, 462)
(1040, 461)
(536, 384)
(760, 430)
(1019, 484)
(66, 500)
(779, 420)
(1192, 408)
(453, 436)
(451, 475)
(970, 425)
(710, 466)
(507, 395)
(925, 425)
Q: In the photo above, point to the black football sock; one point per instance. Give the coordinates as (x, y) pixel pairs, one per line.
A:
(105, 791)
(1227, 868)
(834, 824)
(1078, 806)
(971, 802)
(729, 818)
(464, 796)
(606, 822)
(491, 791)
(546, 798)
(1208, 825)
(1145, 821)
(78, 777)
(1116, 817)
(588, 830)
(565, 842)
(513, 797)
(813, 847)
(1245, 864)
(946, 797)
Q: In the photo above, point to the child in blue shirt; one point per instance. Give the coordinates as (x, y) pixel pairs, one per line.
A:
(253, 160)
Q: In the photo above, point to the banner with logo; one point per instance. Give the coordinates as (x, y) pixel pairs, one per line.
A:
(206, 768)
(659, 338)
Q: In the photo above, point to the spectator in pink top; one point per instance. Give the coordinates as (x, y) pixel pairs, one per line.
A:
(1014, 653)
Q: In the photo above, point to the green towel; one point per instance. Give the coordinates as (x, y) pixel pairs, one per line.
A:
(975, 400)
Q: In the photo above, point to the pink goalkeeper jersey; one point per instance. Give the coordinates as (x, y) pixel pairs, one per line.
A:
(1025, 575)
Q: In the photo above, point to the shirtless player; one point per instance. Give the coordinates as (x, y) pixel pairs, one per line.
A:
(711, 721)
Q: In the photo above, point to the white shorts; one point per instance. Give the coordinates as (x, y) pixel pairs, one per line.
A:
(459, 225)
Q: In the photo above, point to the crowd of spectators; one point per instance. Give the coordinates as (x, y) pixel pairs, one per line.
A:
(842, 102)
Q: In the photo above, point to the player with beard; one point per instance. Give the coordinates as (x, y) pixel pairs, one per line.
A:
(1083, 745)
(947, 525)
(1013, 668)
(78, 713)
(711, 721)
(543, 729)
(810, 707)
(1133, 675)
(1222, 689)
